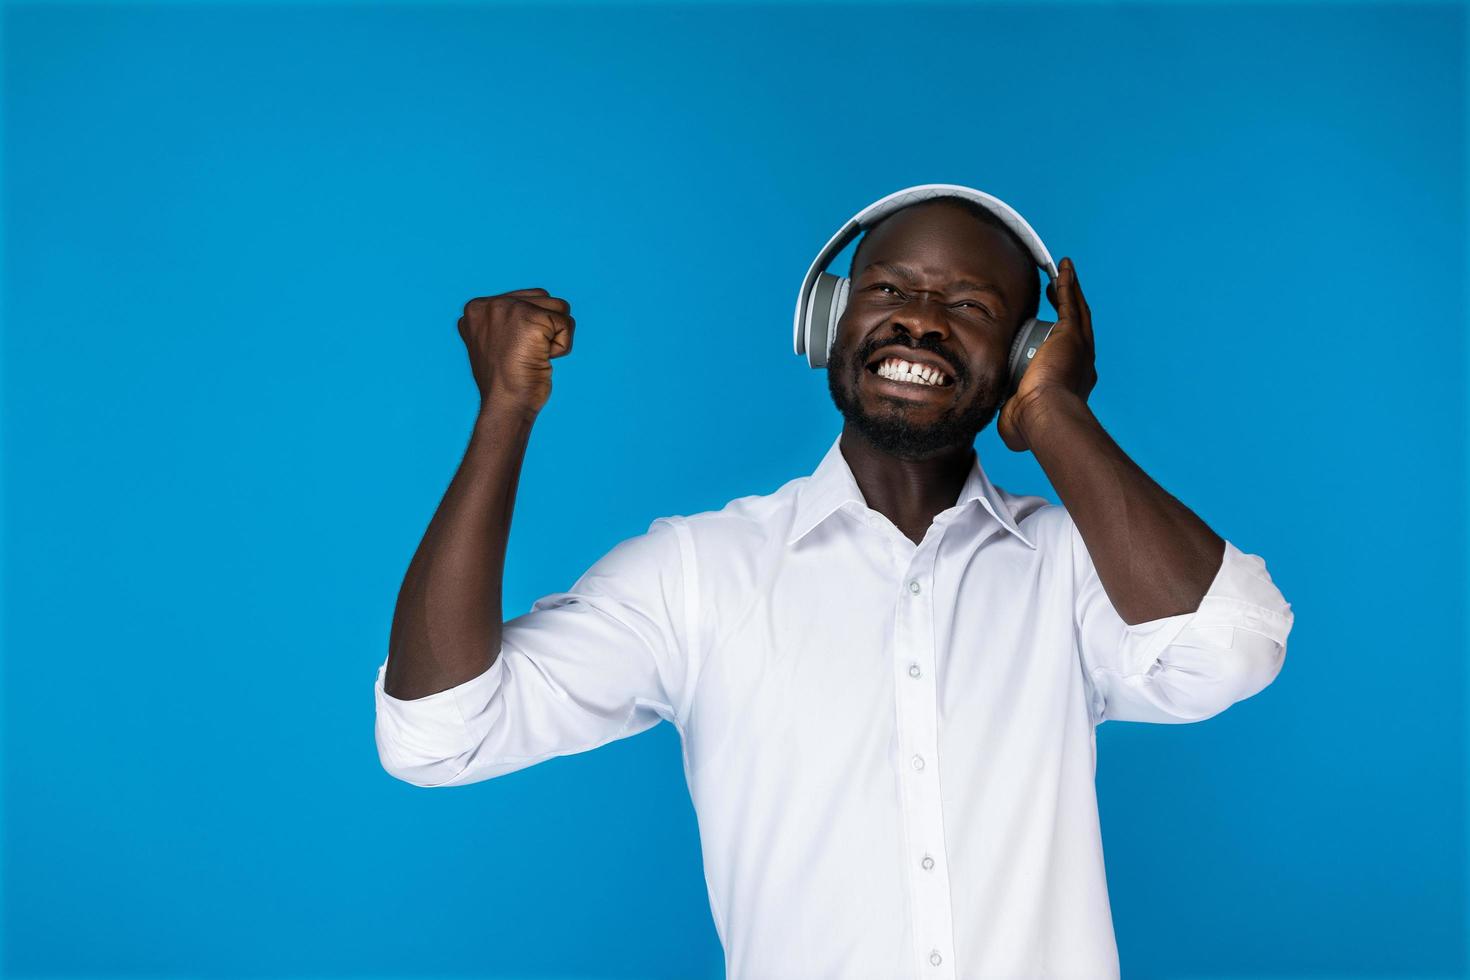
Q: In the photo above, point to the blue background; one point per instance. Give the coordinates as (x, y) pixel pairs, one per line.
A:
(237, 240)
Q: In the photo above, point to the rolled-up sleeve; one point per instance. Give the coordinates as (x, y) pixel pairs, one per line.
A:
(1187, 667)
(606, 659)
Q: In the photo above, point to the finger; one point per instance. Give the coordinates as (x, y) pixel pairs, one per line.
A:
(529, 289)
(535, 297)
(1077, 295)
(1067, 308)
(561, 342)
(547, 302)
(559, 328)
(1084, 311)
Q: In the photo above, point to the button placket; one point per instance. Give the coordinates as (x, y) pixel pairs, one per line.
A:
(918, 718)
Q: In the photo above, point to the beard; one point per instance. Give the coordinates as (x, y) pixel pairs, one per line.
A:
(890, 429)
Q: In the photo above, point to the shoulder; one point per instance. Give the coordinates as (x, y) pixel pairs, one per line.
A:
(744, 525)
(741, 538)
(1046, 523)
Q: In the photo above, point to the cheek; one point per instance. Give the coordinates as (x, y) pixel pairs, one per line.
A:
(843, 340)
(844, 349)
(993, 357)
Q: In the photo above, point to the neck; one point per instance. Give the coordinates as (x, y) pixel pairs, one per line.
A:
(909, 492)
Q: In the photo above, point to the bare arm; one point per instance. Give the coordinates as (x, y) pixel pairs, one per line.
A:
(1174, 623)
(1156, 558)
(446, 625)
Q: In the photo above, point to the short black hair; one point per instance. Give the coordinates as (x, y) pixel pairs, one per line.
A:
(1030, 304)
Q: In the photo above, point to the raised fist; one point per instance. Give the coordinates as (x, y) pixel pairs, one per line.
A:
(511, 339)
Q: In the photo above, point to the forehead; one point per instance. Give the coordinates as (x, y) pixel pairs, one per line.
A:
(944, 239)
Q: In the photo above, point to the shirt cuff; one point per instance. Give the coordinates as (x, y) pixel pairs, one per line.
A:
(1241, 596)
(422, 732)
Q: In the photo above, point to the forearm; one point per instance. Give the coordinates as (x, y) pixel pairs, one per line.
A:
(446, 625)
(1155, 557)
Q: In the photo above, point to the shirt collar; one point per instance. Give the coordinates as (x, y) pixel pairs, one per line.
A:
(832, 485)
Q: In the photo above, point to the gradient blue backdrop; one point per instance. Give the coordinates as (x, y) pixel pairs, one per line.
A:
(237, 239)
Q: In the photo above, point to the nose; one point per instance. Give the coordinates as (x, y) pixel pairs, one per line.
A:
(922, 316)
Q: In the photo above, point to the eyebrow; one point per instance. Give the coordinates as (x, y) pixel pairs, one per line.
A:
(907, 275)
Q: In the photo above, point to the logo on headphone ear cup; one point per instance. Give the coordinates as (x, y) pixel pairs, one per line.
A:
(1029, 338)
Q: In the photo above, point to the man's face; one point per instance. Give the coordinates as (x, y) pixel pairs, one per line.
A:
(907, 301)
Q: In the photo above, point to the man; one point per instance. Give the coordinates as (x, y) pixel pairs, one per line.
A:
(886, 676)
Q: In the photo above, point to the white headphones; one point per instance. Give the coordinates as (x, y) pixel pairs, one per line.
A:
(823, 296)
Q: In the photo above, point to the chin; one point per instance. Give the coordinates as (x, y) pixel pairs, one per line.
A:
(892, 429)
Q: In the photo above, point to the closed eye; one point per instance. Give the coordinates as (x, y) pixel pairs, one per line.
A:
(967, 302)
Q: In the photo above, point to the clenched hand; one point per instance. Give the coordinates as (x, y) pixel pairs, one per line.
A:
(511, 339)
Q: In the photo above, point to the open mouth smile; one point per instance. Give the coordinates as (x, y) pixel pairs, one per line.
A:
(910, 373)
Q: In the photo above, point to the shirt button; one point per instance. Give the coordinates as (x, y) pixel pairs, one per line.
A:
(928, 863)
(935, 958)
(914, 670)
(918, 762)
(914, 586)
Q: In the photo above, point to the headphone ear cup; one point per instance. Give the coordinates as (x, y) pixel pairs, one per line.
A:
(839, 303)
(1029, 338)
(828, 300)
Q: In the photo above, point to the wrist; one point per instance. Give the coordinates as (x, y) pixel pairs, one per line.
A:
(497, 409)
(1042, 406)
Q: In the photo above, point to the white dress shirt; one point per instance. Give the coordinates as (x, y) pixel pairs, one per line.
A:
(890, 747)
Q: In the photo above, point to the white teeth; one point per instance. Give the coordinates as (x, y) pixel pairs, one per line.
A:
(897, 369)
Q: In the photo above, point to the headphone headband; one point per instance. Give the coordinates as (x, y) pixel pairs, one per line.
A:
(814, 338)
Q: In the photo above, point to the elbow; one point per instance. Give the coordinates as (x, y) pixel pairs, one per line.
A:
(433, 766)
(427, 773)
(426, 741)
(1242, 669)
(1256, 662)
(415, 767)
